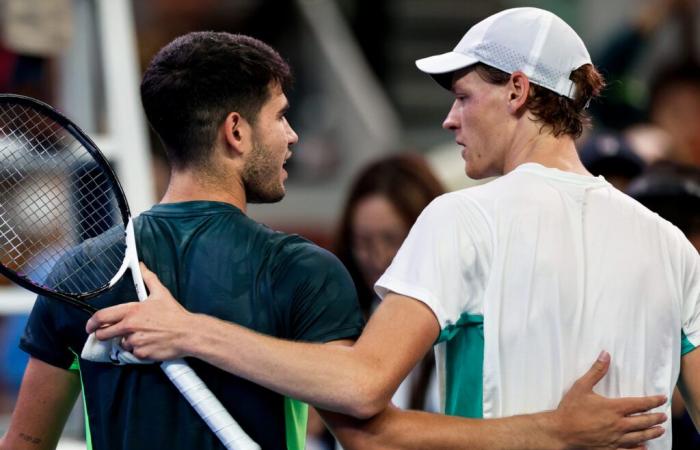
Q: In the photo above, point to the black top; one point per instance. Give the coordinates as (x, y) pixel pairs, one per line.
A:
(215, 261)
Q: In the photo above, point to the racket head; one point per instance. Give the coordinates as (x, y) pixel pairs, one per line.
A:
(63, 212)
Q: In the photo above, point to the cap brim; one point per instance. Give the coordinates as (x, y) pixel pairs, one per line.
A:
(441, 67)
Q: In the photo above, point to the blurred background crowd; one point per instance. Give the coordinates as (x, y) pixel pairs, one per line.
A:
(371, 153)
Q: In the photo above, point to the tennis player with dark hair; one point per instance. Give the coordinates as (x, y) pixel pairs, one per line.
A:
(521, 281)
(217, 102)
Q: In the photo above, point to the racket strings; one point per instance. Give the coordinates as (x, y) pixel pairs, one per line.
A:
(56, 204)
(16, 121)
(44, 196)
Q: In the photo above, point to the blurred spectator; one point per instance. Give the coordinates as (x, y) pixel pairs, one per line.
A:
(383, 203)
(671, 99)
(649, 141)
(611, 156)
(675, 107)
(624, 102)
(673, 191)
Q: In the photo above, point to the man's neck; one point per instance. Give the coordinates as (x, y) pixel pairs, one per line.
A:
(546, 149)
(185, 186)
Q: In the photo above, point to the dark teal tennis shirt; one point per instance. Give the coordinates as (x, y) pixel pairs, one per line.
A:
(215, 261)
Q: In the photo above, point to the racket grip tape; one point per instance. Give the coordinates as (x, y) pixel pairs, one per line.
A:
(208, 406)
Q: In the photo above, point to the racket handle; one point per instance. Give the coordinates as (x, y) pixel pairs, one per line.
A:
(207, 406)
(186, 380)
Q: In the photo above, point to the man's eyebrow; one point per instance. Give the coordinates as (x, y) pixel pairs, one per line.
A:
(284, 109)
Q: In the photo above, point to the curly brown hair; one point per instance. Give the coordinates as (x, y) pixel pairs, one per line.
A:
(557, 112)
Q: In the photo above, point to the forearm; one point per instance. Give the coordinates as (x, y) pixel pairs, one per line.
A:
(330, 377)
(583, 419)
(689, 384)
(693, 412)
(357, 380)
(45, 400)
(409, 430)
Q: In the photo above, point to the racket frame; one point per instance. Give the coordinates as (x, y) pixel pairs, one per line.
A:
(78, 300)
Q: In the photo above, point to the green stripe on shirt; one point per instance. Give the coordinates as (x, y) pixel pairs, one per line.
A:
(88, 437)
(464, 371)
(686, 345)
(296, 415)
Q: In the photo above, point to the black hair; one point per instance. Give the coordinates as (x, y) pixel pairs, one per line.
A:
(197, 79)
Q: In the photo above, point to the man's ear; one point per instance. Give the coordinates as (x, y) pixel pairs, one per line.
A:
(519, 91)
(237, 133)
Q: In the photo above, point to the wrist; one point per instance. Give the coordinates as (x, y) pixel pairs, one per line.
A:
(551, 428)
(192, 335)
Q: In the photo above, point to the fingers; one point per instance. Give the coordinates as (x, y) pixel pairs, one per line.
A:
(636, 438)
(111, 331)
(156, 289)
(643, 421)
(124, 343)
(595, 373)
(108, 316)
(634, 405)
(151, 279)
(642, 428)
(117, 313)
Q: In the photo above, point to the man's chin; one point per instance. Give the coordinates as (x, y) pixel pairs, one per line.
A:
(265, 198)
(475, 174)
(471, 173)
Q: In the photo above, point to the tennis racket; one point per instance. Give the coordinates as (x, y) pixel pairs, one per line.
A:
(66, 231)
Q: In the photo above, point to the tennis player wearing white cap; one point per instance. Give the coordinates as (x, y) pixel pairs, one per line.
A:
(521, 281)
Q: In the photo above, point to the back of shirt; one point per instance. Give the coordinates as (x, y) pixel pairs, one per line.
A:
(215, 261)
(579, 267)
(552, 267)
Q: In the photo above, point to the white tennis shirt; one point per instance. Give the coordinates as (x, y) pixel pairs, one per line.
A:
(533, 274)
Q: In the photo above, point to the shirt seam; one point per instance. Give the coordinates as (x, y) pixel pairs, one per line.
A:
(416, 292)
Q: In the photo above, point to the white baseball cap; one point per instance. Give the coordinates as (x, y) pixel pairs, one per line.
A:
(531, 40)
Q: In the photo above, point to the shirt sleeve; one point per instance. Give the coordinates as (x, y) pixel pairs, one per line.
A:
(55, 330)
(690, 285)
(318, 292)
(43, 336)
(444, 259)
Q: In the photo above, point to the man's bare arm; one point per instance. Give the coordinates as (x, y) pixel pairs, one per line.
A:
(582, 420)
(689, 384)
(357, 380)
(44, 403)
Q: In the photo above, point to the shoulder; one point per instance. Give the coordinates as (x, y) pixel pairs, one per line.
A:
(648, 218)
(457, 209)
(513, 187)
(294, 250)
(479, 199)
